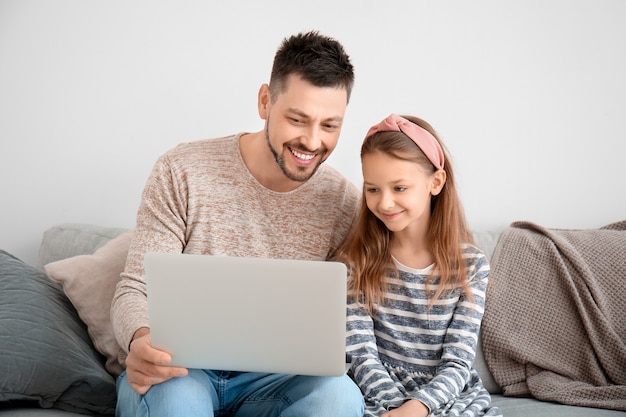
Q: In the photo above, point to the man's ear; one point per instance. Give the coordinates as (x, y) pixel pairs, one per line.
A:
(438, 181)
(264, 100)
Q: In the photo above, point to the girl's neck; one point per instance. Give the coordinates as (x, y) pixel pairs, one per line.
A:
(411, 249)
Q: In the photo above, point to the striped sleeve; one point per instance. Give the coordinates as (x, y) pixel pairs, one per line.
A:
(366, 368)
(460, 340)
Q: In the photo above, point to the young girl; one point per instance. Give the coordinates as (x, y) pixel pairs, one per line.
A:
(417, 284)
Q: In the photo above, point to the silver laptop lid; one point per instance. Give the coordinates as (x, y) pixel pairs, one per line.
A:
(248, 314)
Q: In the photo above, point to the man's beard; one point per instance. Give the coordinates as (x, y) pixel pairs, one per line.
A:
(302, 174)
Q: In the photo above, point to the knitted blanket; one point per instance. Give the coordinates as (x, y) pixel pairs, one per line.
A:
(555, 318)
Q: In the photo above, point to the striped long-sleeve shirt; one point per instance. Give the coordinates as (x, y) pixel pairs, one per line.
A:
(410, 351)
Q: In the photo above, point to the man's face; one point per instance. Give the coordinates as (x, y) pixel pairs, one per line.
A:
(303, 125)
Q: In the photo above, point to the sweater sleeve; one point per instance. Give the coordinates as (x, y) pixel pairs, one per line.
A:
(159, 228)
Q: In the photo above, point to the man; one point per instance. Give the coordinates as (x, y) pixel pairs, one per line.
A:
(263, 194)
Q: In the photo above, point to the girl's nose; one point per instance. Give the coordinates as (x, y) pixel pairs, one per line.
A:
(386, 201)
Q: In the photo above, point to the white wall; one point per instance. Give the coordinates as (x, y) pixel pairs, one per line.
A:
(529, 95)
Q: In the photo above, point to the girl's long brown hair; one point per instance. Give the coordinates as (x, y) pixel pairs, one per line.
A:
(366, 250)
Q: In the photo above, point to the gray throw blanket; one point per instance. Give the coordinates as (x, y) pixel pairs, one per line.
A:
(555, 321)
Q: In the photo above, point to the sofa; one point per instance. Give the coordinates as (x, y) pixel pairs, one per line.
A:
(58, 356)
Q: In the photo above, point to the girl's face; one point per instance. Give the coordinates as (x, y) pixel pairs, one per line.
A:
(398, 192)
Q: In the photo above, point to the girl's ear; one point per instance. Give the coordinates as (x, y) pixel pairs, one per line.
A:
(438, 180)
(264, 99)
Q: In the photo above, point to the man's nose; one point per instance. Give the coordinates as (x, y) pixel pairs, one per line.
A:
(312, 139)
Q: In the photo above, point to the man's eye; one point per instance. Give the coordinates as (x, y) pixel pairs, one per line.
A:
(331, 127)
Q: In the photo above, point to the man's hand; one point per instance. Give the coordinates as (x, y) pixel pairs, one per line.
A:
(411, 408)
(147, 366)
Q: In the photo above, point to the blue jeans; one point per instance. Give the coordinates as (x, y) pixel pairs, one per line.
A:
(242, 394)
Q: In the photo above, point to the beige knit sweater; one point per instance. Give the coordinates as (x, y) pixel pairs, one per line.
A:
(200, 198)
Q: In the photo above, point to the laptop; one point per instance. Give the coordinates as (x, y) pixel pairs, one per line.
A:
(248, 314)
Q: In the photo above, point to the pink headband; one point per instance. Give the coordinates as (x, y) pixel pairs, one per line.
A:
(422, 137)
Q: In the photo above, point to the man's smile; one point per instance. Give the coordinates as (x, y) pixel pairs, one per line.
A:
(302, 156)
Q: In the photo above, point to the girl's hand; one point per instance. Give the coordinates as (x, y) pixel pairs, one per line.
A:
(411, 408)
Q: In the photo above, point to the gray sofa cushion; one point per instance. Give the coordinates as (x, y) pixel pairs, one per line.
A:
(72, 239)
(487, 241)
(46, 356)
(529, 407)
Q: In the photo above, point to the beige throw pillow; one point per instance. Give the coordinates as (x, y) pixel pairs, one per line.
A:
(89, 282)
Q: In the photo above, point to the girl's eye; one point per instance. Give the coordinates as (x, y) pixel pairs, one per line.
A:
(400, 189)
(372, 190)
